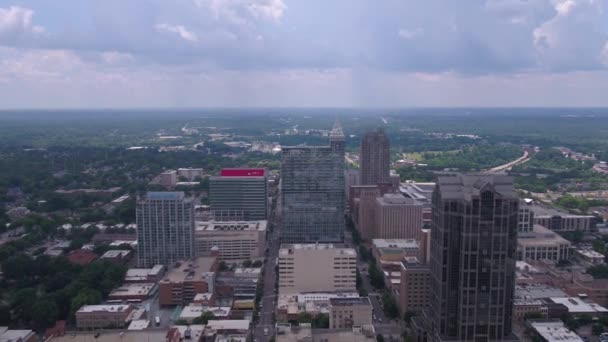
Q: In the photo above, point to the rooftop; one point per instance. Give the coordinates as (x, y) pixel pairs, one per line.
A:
(139, 274)
(128, 290)
(395, 243)
(396, 199)
(541, 236)
(543, 211)
(287, 249)
(350, 301)
(165, 195)
(577, 305)
(191, 270)
(105, 308)
(537, 292)
(113, 336)
(463, 186)
(115, 254)
(230, 225)
(192, 311)
(555, 331)
(229, 324)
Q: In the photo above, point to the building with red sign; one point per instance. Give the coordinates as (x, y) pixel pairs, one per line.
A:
(239, 194)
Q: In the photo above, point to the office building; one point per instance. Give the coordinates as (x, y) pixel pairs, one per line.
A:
(397, 217)
(375, 158)
(414, 288)
(103, 316)
(304, 332)
(312, 191)
(186, 279)
(558, 221)
(190, 174)
(240, 190)
(365, 210)
(234, 240)
(473, 240)
(346, 313)
(542, 243)
(168, 179)
(352, 177)
(316, 268)
(165, 228)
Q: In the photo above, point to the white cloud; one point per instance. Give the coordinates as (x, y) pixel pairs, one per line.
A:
(16, 20)
(180, 30)
(409, 33)
(271, 9)
(604, 57)
(565, 7)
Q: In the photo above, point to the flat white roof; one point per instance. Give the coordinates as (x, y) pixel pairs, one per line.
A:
(229, 324)
(395, 243)
(286, 248)
(577, 305)
(555, 331)
(192, 311)
(104, 307)
(137, 289)
(139, 324)
(231, 225)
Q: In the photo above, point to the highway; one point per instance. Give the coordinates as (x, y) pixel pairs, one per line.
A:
(509, 165)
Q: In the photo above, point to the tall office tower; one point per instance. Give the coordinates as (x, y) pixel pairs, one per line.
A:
(473, 242)
(243, 191)
(375, 158)
(397, 217)
(165, 228)
(312, 190)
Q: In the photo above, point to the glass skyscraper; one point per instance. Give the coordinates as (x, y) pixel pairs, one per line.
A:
(312, 190)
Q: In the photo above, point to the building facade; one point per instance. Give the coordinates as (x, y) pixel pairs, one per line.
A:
(235, 240)
(525, 219)
(312, 191)
(103, 316)
(542, 243)
(165, 228)
(414, 291)
(240, 190)
(346, 313)
(397, 217)
(316, 268)
(473, 240)
(375, 158)
(186, 279)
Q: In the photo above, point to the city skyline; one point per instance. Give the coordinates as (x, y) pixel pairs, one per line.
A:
(267, 53)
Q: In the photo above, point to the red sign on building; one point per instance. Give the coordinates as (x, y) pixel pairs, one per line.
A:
(242, 172)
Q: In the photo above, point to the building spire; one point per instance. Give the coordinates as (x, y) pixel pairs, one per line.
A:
(336, 131)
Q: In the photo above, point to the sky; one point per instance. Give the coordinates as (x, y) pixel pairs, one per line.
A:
(303, 53)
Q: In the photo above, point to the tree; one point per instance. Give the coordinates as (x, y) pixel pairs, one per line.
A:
(321, 321)
(597, 329)
(204, 318)
(304, 317)
(86, 296)
(247, 263)
(257, 263)
(407, 316)
(222, 267)
(391, 309)
(379, 338)
(532, 315)
(376, 277)
(44, 313)
(598, 271)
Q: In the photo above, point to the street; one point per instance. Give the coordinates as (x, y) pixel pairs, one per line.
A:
(267, 304)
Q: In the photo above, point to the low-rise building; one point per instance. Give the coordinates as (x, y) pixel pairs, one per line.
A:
(590, 256)
(103, 316)
(290, 306)
(235, 240)
(168, 179)
(542, 243)
(248, 272)
(133, 291)
(81, 257)
(206, 299)
(346, 313)
(187, 278)
(554, 331)
(190, 174)
(576, 306)
(145, 275)
(193, 311)
(12, 335)
(316, 267)
(385, 250)
(119, 335)
(560, 221)
(415, 286)
(117, 256)
(524, 306)
(285, 332)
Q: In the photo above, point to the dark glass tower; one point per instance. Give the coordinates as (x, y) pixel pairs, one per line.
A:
(312, 190)
(473, 242)
(375, 158)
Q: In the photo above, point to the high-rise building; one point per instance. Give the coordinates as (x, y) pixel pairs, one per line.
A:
(165, 228)
(473, 243)
(316, 268)
(414, 291)
(239, 190)
(375, 158)
(397, 217)
(312, 190)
